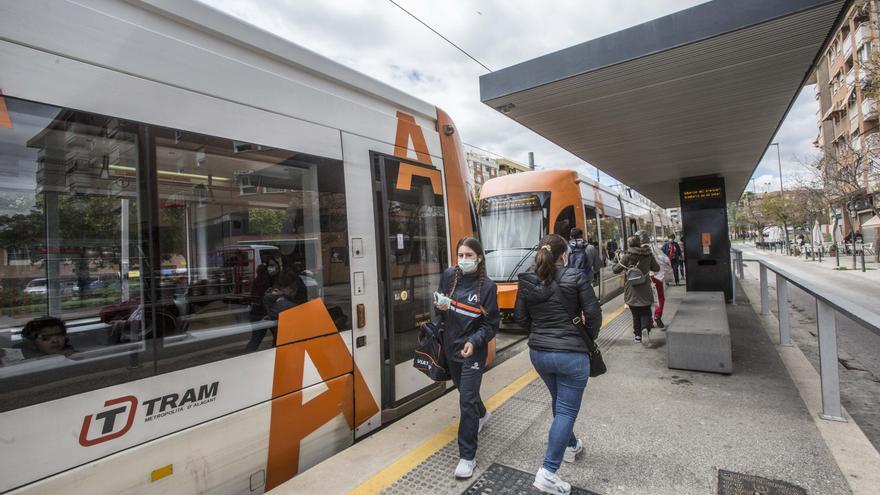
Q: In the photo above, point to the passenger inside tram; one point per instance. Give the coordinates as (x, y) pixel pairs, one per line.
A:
(45, 336)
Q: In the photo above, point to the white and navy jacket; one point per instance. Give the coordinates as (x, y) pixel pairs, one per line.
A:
(464, 321)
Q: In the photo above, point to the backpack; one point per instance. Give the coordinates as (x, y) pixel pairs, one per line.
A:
(577, 258)
(673, 250)
(633, 276)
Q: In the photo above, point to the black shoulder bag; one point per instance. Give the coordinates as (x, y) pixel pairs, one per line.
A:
(597, 363)
(428, 355)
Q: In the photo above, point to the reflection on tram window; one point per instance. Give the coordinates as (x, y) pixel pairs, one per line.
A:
(612, 242)
(591, 235)
(238, 225)
(246, 232)
(70, 244)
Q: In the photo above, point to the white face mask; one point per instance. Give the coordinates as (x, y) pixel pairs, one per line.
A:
(467, 266)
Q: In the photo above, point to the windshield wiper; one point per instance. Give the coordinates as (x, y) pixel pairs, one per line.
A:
(519, 264)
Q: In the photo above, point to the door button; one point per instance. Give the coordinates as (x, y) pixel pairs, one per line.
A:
(359, 288)
(357, 247)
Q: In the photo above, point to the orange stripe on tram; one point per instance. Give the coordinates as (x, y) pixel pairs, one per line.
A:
(5, 120)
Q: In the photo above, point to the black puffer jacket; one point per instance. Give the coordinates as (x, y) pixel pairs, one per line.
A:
(543, 314)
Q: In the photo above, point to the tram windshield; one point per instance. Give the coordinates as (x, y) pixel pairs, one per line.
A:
(510, 228)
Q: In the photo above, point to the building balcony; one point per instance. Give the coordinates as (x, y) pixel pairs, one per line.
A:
(846, 46)
(863, 34)
(869, 110)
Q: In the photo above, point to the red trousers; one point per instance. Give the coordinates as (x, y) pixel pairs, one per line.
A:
(661, 298)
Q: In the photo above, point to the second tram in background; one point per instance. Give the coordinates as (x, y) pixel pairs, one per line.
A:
(517, 210)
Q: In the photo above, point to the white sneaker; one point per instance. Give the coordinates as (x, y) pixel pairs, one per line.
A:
(484, 420)
(549, 482)
(465, 468)
(571, 453)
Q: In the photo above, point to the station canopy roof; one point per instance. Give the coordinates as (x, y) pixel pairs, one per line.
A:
(698, 92)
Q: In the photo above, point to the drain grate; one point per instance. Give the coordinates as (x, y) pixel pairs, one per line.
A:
(505, 480)
(730, 483)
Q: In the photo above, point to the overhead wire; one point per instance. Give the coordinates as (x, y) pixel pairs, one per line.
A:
(423, 23)
(462, 50)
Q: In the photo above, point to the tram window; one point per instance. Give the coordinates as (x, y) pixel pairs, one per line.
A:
(231, 262)
(70, 253)
(565, 221)
(591, 230)
(612, 241)
(591, 235)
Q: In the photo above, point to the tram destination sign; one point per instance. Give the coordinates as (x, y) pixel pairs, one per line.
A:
(509, 203)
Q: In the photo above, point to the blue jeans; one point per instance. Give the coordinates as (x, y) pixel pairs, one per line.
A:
(566, 375)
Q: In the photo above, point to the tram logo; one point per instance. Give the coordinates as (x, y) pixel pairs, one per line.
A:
(118, 414)
(111, 417)
(169, 404)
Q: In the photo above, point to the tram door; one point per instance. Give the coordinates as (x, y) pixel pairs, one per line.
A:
(412, 250)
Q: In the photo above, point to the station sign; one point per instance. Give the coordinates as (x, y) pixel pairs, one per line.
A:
(702, 195)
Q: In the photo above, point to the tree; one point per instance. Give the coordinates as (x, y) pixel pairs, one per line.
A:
(843, 176)
(265, 221)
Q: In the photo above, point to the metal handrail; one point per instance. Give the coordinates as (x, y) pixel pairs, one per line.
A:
(828, 305)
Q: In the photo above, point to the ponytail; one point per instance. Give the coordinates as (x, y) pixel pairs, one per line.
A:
(550, 249)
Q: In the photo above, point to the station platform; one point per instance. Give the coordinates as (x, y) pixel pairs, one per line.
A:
(646, 429)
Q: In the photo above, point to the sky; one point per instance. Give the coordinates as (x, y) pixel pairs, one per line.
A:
(379, 39)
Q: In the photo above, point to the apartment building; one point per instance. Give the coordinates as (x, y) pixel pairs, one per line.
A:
(482, 167)
(847, 118)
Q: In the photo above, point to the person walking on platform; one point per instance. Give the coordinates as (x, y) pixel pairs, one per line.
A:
(672, 250)
(638, 262)
(582, 255)
(547, 298)
(658, 278)
(468, 302)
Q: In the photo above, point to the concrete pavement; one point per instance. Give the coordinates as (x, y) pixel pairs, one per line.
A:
(647, 429)
(859, 349)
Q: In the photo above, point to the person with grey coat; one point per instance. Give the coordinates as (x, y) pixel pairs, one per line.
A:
(638, 294)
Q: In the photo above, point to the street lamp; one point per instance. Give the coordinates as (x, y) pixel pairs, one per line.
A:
(781, 195)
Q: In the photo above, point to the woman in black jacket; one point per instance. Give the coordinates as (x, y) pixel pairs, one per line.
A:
(469, 305)
(547, 300)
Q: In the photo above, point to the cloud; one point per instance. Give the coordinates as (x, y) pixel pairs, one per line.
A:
(380, 40)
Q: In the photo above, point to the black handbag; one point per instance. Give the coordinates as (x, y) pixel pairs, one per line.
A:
(597, 362)
(428, 356)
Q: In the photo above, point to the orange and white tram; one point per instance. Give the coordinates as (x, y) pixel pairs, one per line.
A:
(517, 210)
(164, 164)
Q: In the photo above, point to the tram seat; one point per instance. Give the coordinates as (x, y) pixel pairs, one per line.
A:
(698, 338)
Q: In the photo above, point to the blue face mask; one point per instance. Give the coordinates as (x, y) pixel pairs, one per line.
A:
(467, 266)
